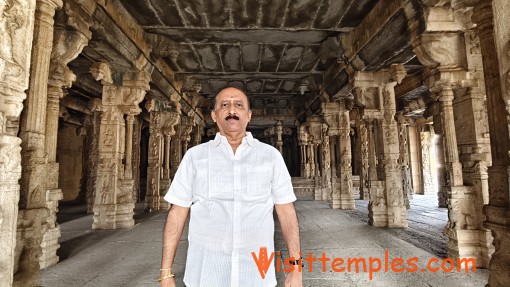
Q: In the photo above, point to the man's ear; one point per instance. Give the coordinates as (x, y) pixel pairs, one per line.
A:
(249, 115)
(213, 115)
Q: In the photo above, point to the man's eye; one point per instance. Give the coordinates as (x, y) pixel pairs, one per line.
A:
(224, 105)
(239, 105)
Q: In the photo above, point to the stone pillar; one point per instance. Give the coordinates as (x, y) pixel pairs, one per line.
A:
(314, 128)
(336, 116)
(18, 21)
(425, 142)
(345, 172)
(441, 172)
(387, 207)
(169, 120)
(326, 163)
(137, 134)
(414, 155)
(333, 169)
(95, 106)
(404, 158)
(166, 158)
(34, 219)
(128, 171)
(494, 47)
(155, 160)
(302, 140)
(67, 45)
(197, 135)
(114, 203)
(364, 172)
(279, 141)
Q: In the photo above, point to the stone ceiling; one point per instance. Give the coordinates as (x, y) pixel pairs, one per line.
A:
(268, 48)
(283, 53)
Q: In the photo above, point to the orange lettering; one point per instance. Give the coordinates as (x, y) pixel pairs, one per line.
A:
(263, 262)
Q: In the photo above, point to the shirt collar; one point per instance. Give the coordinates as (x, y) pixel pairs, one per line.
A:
(218, 139)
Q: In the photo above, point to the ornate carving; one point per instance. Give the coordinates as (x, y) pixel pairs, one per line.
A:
(13, 18)
(101, 72)
(438, 49)
(10, 158)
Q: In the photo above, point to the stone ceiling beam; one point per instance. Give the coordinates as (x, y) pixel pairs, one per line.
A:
(251, 76)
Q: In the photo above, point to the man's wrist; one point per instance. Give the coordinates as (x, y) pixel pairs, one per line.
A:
(166, 273)
(298, 261)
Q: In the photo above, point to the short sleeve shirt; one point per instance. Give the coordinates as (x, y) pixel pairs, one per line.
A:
(231, 199)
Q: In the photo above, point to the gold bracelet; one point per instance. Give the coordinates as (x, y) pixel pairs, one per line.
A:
(168, 275)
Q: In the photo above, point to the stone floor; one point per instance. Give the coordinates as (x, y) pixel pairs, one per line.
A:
(132, 257)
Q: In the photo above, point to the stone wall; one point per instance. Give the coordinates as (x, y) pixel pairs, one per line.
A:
(69, 156)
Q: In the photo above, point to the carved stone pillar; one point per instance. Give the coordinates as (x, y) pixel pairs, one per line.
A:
(387, 206)
(33, 218)
(415, 158)
(18, 22)
(364, 172)
(67, 45)
(336, 116)
(441, 172)
(494, 47)
(425, 142)
(137, 134)
(169, 120)
(334, 168)
(114, 204)
(302, 140)
(404, 159)
(128, 171)
(448, 79)
(345, 169)
(314, 128)
(155, 160)
(166, 156)
(326, 163)
(197, 135)
(279, 141)
(95, 106)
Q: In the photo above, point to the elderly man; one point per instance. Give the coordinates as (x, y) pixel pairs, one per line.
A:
(230, 186)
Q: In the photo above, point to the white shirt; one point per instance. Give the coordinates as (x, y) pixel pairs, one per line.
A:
(232, 198)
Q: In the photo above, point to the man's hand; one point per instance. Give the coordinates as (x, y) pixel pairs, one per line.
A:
(294, 279)
(168, 282)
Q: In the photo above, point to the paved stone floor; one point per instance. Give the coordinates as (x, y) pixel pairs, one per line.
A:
(131, 257)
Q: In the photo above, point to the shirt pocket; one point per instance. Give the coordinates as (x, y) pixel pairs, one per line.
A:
(220, 181)
(258, 180)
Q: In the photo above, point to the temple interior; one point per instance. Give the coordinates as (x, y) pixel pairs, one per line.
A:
(371, 103)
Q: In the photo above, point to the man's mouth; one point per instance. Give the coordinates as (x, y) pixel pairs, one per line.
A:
(229, 117)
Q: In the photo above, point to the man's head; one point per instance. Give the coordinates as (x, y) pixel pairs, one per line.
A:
(231, 112)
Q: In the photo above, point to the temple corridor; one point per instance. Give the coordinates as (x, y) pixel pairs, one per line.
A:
(131, 257)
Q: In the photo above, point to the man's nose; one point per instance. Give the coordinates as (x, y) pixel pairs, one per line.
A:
(231, 110)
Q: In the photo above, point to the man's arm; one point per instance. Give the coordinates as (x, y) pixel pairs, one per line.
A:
(290, 228)
(173, 230)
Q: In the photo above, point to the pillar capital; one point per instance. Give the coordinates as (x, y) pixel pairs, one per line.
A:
(48, 7)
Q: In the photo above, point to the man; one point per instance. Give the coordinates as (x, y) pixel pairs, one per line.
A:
(231, 185)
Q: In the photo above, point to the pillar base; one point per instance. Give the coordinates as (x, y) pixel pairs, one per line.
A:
(113, 216)
(152, 202)
(49, 247)
(346, 201)
(498, 221)
(392, 217)
(31, 227)
(463, 243)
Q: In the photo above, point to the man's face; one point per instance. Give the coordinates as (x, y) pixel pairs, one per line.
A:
(231, 111)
